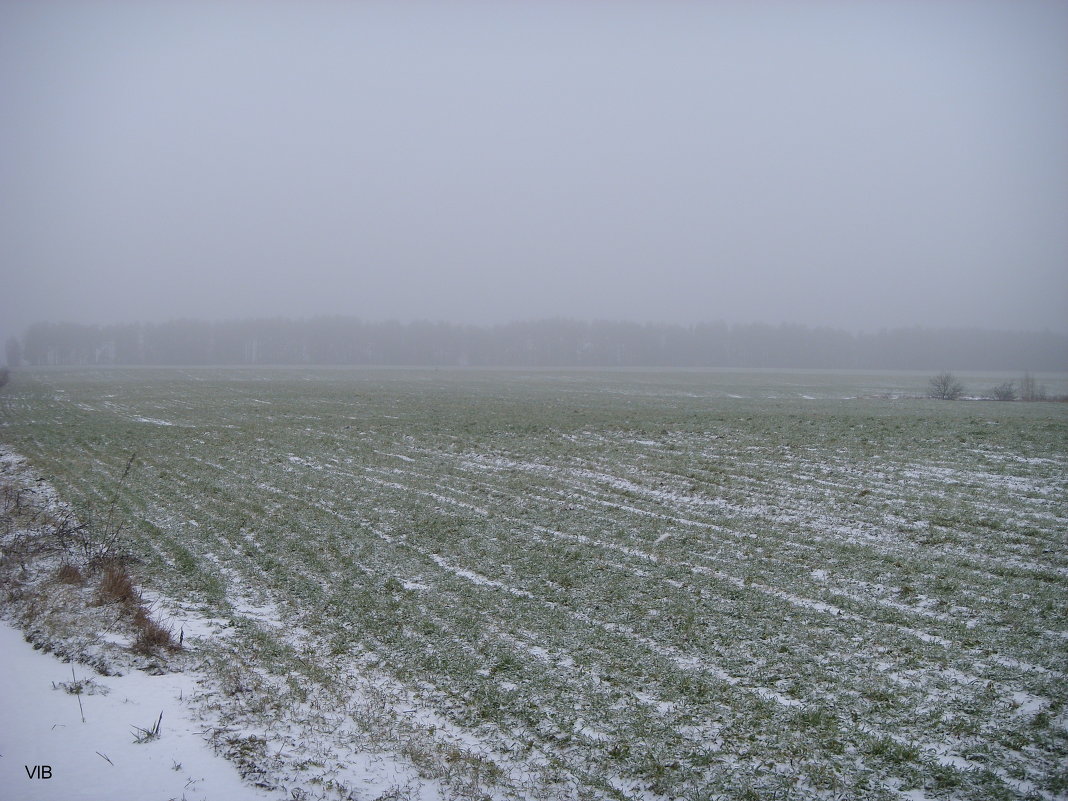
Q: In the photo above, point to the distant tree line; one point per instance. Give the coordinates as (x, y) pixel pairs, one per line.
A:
(945, 386)
(542, 343)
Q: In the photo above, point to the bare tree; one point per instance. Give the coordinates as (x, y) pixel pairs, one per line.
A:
(13, 351)
(5, 374)
(1004, 392)
(1030, 390)
(945, 386)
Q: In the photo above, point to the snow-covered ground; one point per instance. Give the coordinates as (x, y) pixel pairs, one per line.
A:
(85, 714)
(87, 743)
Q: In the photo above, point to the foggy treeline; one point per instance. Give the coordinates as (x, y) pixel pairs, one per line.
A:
(543, 343)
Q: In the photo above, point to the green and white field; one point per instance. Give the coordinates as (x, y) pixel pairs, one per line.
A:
(593, 585)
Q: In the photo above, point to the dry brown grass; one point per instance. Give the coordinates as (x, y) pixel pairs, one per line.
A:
(69, 574)
(151, 634)
(116, 586)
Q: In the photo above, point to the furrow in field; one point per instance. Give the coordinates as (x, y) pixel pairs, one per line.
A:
(896, 607)
(784, 596)
(899, 608)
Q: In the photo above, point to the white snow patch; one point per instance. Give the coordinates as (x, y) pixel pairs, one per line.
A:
(477, 578)
(98, 757)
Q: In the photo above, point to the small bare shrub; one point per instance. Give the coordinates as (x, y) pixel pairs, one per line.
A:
(1004, 392)
(14, 500)
(945, 386)
(94, 538)
(1030, 390)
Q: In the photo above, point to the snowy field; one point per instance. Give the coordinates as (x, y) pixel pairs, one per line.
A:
(563, 585)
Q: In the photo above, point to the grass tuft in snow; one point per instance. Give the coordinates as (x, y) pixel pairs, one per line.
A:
(153, 732)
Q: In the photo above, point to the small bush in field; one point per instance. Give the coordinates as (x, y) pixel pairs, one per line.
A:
(1004, 392)
(945, 386)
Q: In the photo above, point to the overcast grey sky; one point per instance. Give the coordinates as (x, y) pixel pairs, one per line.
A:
(860, 165)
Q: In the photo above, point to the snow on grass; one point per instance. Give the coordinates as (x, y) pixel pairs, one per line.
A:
(152, 420)
(607, 586)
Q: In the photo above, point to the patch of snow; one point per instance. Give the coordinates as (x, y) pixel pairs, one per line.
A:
(152, 421)
(97, 756)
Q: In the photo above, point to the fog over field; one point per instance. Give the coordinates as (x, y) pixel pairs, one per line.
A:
(857, 166)
(534, 401)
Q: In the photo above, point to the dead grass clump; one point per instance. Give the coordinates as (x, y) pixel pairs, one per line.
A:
(69, 574)
(151, 634)
(116, 586)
